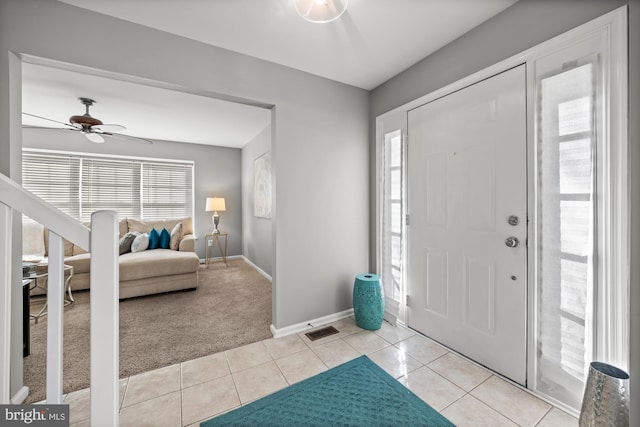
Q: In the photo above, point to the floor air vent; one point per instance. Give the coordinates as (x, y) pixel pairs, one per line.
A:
(321, 333)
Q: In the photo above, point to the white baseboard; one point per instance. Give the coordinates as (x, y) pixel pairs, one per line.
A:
(258, 269)
(245, 259)
(20, 396)
(216, 259)
(303, 326)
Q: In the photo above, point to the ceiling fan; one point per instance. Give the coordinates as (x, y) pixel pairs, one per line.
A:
(91, 127)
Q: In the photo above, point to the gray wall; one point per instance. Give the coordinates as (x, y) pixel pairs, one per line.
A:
(525, 24)
(257, 239)
(320, 139)
(217, 173)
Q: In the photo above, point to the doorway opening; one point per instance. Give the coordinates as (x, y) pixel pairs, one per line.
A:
(227, 183)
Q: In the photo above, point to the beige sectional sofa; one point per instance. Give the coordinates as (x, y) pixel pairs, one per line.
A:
(143, 273)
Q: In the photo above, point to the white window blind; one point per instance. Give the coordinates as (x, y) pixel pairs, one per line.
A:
(54, 179)
(167, 190)
(567, 247)
(80, 185)
(110, 185)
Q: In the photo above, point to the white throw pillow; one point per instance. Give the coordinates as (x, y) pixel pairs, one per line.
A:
(32, 240)
(140, 243)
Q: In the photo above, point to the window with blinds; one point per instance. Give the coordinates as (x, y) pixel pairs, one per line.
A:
(392, 233)
(567, 243)
(80, 185)
(166, 189)
(54, 179)
(108, 184)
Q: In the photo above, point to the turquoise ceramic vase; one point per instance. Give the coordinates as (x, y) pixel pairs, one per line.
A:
(368, 301)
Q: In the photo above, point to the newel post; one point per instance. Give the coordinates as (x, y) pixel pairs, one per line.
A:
(5, 303)
(105, 292)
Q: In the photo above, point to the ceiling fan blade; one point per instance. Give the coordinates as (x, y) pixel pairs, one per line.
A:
(51, 120)
(128, 138)
(108, 128)
(73, 129)
(94, 137)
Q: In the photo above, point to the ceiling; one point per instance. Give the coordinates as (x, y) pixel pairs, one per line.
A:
(373, 41)
(146, 111)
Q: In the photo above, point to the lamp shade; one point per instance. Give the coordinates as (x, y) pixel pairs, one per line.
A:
(215, 204)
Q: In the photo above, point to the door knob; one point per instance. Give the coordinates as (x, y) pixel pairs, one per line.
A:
(512, 242)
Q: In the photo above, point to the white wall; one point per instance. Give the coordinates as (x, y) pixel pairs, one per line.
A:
(217, 173)
(320, 138)
(257, 235)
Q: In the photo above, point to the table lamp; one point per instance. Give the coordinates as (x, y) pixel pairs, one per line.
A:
(215, 204)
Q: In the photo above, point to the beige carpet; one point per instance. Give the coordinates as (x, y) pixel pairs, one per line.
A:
(230, 308)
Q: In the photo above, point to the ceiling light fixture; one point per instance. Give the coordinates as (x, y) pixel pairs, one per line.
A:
(321, 11)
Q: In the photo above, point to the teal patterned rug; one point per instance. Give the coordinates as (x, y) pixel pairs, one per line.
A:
(357, 393)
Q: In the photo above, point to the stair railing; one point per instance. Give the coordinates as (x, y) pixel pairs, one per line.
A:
(102, 241)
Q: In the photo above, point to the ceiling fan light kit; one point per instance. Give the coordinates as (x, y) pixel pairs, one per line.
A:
(94, 137)
(321, 11)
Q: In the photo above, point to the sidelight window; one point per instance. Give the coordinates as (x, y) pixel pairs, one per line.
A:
(567, 243)
(392, 218)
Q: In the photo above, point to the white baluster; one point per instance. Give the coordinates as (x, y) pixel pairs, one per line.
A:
(105, 293)
(55, 318)
(5, 303)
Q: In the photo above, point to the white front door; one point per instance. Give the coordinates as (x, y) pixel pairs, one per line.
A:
(467, 174)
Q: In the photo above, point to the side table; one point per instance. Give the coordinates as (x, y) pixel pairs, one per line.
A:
(39, 274)
(209, 239)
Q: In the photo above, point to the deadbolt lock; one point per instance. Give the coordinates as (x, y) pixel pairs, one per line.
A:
(513, 220)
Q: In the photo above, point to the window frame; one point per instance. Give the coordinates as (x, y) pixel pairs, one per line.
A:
(395, 309)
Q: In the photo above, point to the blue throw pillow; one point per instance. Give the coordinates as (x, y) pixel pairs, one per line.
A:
(165, 238)
(154, 239)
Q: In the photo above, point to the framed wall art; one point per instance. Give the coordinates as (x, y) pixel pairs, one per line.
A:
(262, 186)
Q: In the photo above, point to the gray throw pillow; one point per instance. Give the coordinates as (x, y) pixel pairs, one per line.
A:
(140, 243)
(126, 241)
(176, 236)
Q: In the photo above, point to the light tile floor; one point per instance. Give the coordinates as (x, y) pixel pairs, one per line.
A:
(194, 391)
